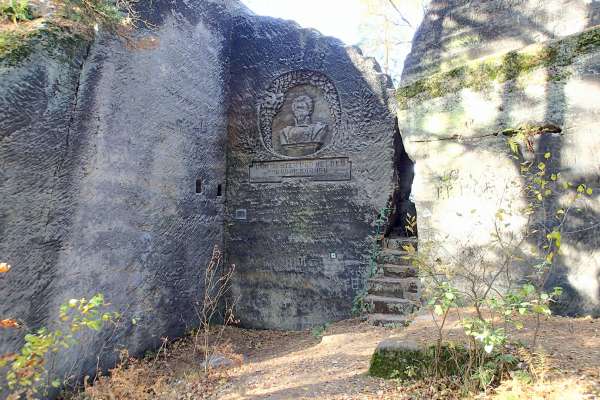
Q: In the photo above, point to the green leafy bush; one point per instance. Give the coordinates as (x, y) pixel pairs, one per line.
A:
(359, 305)
(499, 300)
(26, 371)
(96, 13)
(15, 10)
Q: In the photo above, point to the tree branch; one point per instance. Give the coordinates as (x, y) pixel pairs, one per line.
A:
(402, 17)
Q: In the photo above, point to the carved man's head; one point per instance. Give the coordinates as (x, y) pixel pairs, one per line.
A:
(302, 107)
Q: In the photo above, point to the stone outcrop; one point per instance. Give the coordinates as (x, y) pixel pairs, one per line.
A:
(457, 112)
(125, 162)
(101, 147)
(299, 224)
(454, 32)
(393, 293)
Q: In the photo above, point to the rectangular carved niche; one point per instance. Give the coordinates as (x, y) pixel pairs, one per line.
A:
(320, 169)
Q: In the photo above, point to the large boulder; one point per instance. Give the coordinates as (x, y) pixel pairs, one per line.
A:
(101, 147)
(454, 32)
(456, 121)
(302, 196)
(125, 161)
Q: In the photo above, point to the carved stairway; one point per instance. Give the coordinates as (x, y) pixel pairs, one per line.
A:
(394, 292)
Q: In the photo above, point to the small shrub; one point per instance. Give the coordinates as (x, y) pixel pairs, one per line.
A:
(109, 15)
(217, 305)
(359, 305)
(318, 331)
(15, 10)
(499, 300)
(26, 371)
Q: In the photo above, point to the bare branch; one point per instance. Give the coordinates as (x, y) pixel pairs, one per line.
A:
(402, 17)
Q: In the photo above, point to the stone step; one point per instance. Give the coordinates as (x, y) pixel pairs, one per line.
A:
(399, 243)
(398, 257)
(407, 288)
(391, 305)
(388, 319)
(399, 271)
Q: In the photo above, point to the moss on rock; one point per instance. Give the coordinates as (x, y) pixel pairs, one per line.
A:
(407, 360)
(60, 42)
(480, 74)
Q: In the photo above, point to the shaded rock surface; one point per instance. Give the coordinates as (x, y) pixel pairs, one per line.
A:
(117, 159)
(100, 154)
(301, 241)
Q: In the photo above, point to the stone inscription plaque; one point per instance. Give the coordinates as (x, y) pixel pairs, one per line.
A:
(322, 169)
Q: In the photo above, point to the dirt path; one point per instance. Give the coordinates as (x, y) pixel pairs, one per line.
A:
(300, 366)
(296, 365)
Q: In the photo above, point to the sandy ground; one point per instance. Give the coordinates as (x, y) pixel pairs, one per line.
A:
(298, 366)
(284, 365)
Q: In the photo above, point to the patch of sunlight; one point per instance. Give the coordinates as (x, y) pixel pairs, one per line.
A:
(592, 342)
(466, 198)
(534, 84)
(572, 19)
(556, 389)
(584, 94)
(480, 110)
(582, 276)
(436, 123)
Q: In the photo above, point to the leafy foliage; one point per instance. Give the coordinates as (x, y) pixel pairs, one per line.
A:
(386, 31)
(359, 305)
(319, 330)
(499, 311)
(26, 371)
(15, 10)
(106, 14)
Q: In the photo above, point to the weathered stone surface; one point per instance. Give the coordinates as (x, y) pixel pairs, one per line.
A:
(99, 164)
(455, 31)
(37, 100)
(401, 359)
(300, 240)
(465, 171)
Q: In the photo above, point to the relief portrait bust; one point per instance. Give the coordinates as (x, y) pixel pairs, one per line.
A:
(304, 137)
(299, 114)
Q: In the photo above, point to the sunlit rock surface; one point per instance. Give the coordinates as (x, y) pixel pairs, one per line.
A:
(452, 124)
(456, 31)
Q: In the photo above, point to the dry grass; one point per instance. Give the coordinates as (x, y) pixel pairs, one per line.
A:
(174, 372)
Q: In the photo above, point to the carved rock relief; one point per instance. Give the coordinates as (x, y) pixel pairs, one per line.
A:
(299, 114)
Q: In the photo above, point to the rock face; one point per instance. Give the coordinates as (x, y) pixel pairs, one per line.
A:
(397, 358)
(455, 123)
(456, 31)
(118, 159)
(37, 102)
(100, 158)
(305, 184)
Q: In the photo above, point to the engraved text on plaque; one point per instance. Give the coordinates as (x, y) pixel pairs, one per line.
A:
(322, 169)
